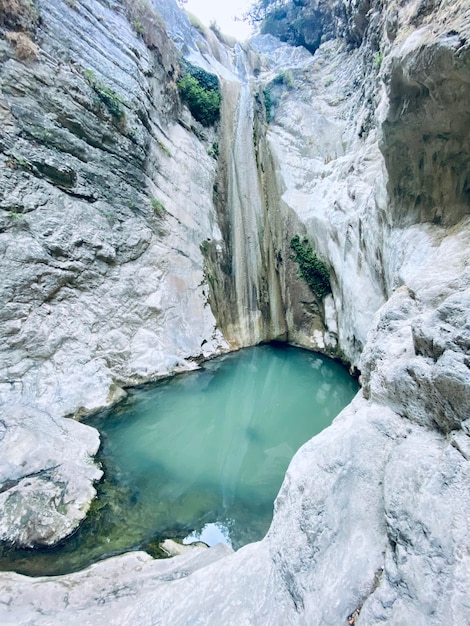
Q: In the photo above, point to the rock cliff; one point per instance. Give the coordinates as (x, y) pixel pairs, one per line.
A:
(131, 247)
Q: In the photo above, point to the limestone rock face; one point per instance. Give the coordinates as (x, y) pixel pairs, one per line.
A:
(423, 146)
(102, 277)
(366, 155)
(46, 487)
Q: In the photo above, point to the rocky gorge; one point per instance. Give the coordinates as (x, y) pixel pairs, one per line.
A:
(136, 242)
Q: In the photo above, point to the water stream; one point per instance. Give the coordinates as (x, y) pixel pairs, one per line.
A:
(200, 455)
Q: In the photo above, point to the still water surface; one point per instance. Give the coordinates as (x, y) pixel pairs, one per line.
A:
(200, 455)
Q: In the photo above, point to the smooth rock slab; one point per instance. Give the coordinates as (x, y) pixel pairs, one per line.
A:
(362, 521)
(46, 476)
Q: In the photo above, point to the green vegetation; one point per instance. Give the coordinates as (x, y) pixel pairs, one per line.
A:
(155, 550)
(205, 79)
(158, 207)
(138, 26)
(198, 25)
(378, 58)
(163, 147)
(284, 78)
(201, 92)
(214, 151)
(311, 268)
(271, 93)
(107, 96)
(16, 217)
(16, 162)
(268, 103)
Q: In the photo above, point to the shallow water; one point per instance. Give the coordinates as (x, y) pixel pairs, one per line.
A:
(200, 455)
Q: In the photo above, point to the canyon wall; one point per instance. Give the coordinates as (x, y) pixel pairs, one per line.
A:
(125, 240)
(102, 274)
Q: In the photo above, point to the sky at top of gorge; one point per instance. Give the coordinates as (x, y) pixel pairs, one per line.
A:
(227, 14)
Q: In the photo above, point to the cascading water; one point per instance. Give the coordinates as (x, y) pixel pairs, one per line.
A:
(247, 214)
(249, 307)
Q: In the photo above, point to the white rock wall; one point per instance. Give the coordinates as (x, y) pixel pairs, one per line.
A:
(102, 275)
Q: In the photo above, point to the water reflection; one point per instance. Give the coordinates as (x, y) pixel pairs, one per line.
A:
(201, 455)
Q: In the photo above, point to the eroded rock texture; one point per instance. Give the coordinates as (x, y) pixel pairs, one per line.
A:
(366, 155)
(105, 201)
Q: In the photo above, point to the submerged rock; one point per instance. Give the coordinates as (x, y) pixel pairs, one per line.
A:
(174, 548)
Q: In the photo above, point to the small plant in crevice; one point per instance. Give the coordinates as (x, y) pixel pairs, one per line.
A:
(200, 90)
(106, 96)
(17, 162)
(378, 58)
(285, 77)
(158, 207)
(313, 270)
(268, 103)
(213, 151)
(16, 218)
(163, 147)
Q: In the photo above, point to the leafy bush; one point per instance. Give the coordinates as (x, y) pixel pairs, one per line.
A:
(16, 217)
(205, 79)
(201, 92)
(311, 268)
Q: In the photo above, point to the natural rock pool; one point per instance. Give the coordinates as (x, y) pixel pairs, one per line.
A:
(199, 455)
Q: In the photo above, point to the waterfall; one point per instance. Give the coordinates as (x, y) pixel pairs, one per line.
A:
(245, 205)
(249, 305)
